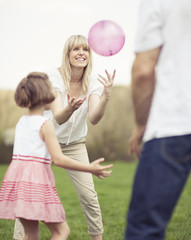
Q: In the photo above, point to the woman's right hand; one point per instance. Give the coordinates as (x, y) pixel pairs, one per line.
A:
(99, 170)
(74, 103)
(62, 114)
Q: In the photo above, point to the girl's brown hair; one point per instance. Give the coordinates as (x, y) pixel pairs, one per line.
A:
(34, 90)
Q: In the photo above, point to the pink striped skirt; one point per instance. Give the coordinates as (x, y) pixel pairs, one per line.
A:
(28, 191)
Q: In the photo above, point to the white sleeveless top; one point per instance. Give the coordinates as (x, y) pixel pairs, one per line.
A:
(27, 137)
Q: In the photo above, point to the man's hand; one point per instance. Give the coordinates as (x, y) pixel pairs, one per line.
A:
(135, 142)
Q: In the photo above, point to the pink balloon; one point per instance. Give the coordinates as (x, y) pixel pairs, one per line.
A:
(106, 38)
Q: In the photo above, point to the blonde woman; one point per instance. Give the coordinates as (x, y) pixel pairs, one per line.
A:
(78, 96)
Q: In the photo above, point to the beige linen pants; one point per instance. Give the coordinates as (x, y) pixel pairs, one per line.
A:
(84, 185)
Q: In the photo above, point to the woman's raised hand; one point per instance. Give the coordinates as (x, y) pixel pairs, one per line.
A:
(100, 171)
(107, 83)
(74, 103)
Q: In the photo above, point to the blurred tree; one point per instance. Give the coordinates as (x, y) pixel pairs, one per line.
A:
(9, 112)
(9, 115)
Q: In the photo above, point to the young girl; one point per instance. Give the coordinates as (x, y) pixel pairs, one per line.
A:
(28, 190)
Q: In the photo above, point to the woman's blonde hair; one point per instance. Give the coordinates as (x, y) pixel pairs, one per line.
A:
(65, 69)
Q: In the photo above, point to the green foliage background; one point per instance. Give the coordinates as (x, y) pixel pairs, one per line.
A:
(108, 139)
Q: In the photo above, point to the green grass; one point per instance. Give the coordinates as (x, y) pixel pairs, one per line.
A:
(114, 195)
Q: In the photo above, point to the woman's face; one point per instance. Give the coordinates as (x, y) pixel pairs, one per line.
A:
(79, 56)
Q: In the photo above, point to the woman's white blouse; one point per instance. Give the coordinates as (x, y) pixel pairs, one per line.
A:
(76, 127)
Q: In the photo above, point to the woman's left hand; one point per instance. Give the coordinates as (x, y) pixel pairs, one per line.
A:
(107, 83)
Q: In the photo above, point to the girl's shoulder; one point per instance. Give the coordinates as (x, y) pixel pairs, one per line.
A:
(34, 121)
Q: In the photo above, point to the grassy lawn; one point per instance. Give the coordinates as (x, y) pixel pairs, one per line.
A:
(114, 195)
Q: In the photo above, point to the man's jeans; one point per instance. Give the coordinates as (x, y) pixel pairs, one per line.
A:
(163, 169)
